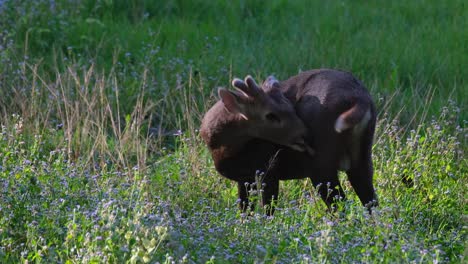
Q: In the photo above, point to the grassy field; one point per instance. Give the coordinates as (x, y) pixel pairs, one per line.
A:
(101, 161)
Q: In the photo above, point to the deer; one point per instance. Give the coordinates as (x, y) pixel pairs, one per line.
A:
(245, 129)
(339, 116)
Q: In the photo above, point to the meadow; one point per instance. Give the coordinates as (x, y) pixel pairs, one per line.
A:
(101, 101)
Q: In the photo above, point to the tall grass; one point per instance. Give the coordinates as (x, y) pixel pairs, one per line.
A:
(100, 159)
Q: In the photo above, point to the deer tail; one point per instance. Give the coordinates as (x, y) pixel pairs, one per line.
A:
(359, 114)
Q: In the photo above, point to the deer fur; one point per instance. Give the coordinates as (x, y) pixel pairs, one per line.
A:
(340, 118)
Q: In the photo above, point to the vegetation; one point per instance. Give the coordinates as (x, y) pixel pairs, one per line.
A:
(100, 158)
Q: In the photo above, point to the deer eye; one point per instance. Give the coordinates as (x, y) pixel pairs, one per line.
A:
(272, 118)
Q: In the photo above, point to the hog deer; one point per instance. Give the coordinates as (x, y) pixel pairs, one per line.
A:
(245, 129)
(340, 118)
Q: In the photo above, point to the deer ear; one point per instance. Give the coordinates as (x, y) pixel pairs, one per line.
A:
(230, 101)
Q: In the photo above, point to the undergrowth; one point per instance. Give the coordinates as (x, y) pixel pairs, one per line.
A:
(178, 209)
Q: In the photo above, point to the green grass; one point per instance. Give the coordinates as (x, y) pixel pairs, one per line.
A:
(94, 169)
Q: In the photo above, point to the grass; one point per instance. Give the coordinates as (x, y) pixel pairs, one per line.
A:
(100, 102)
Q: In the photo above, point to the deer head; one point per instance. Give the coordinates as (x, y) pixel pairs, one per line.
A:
(268, 116)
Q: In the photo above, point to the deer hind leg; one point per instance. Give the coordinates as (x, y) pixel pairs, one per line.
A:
(360, 175)
(361, 172)
(361, 180)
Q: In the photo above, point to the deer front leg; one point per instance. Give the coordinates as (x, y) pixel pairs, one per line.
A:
(328, 185)
(243, 194)
(270, 195)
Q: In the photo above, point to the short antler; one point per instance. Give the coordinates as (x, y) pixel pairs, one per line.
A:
(248, 86)
(253, 87)
(240, 85)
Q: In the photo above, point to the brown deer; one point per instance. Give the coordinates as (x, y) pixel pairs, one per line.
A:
(246, 128)
(340, 118)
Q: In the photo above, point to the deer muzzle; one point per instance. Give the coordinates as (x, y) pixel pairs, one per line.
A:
(301, 146)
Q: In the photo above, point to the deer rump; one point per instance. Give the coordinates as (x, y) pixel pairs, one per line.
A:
(340, 117)
(338, 113)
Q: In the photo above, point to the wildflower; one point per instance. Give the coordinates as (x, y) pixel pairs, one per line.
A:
(261, 251)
